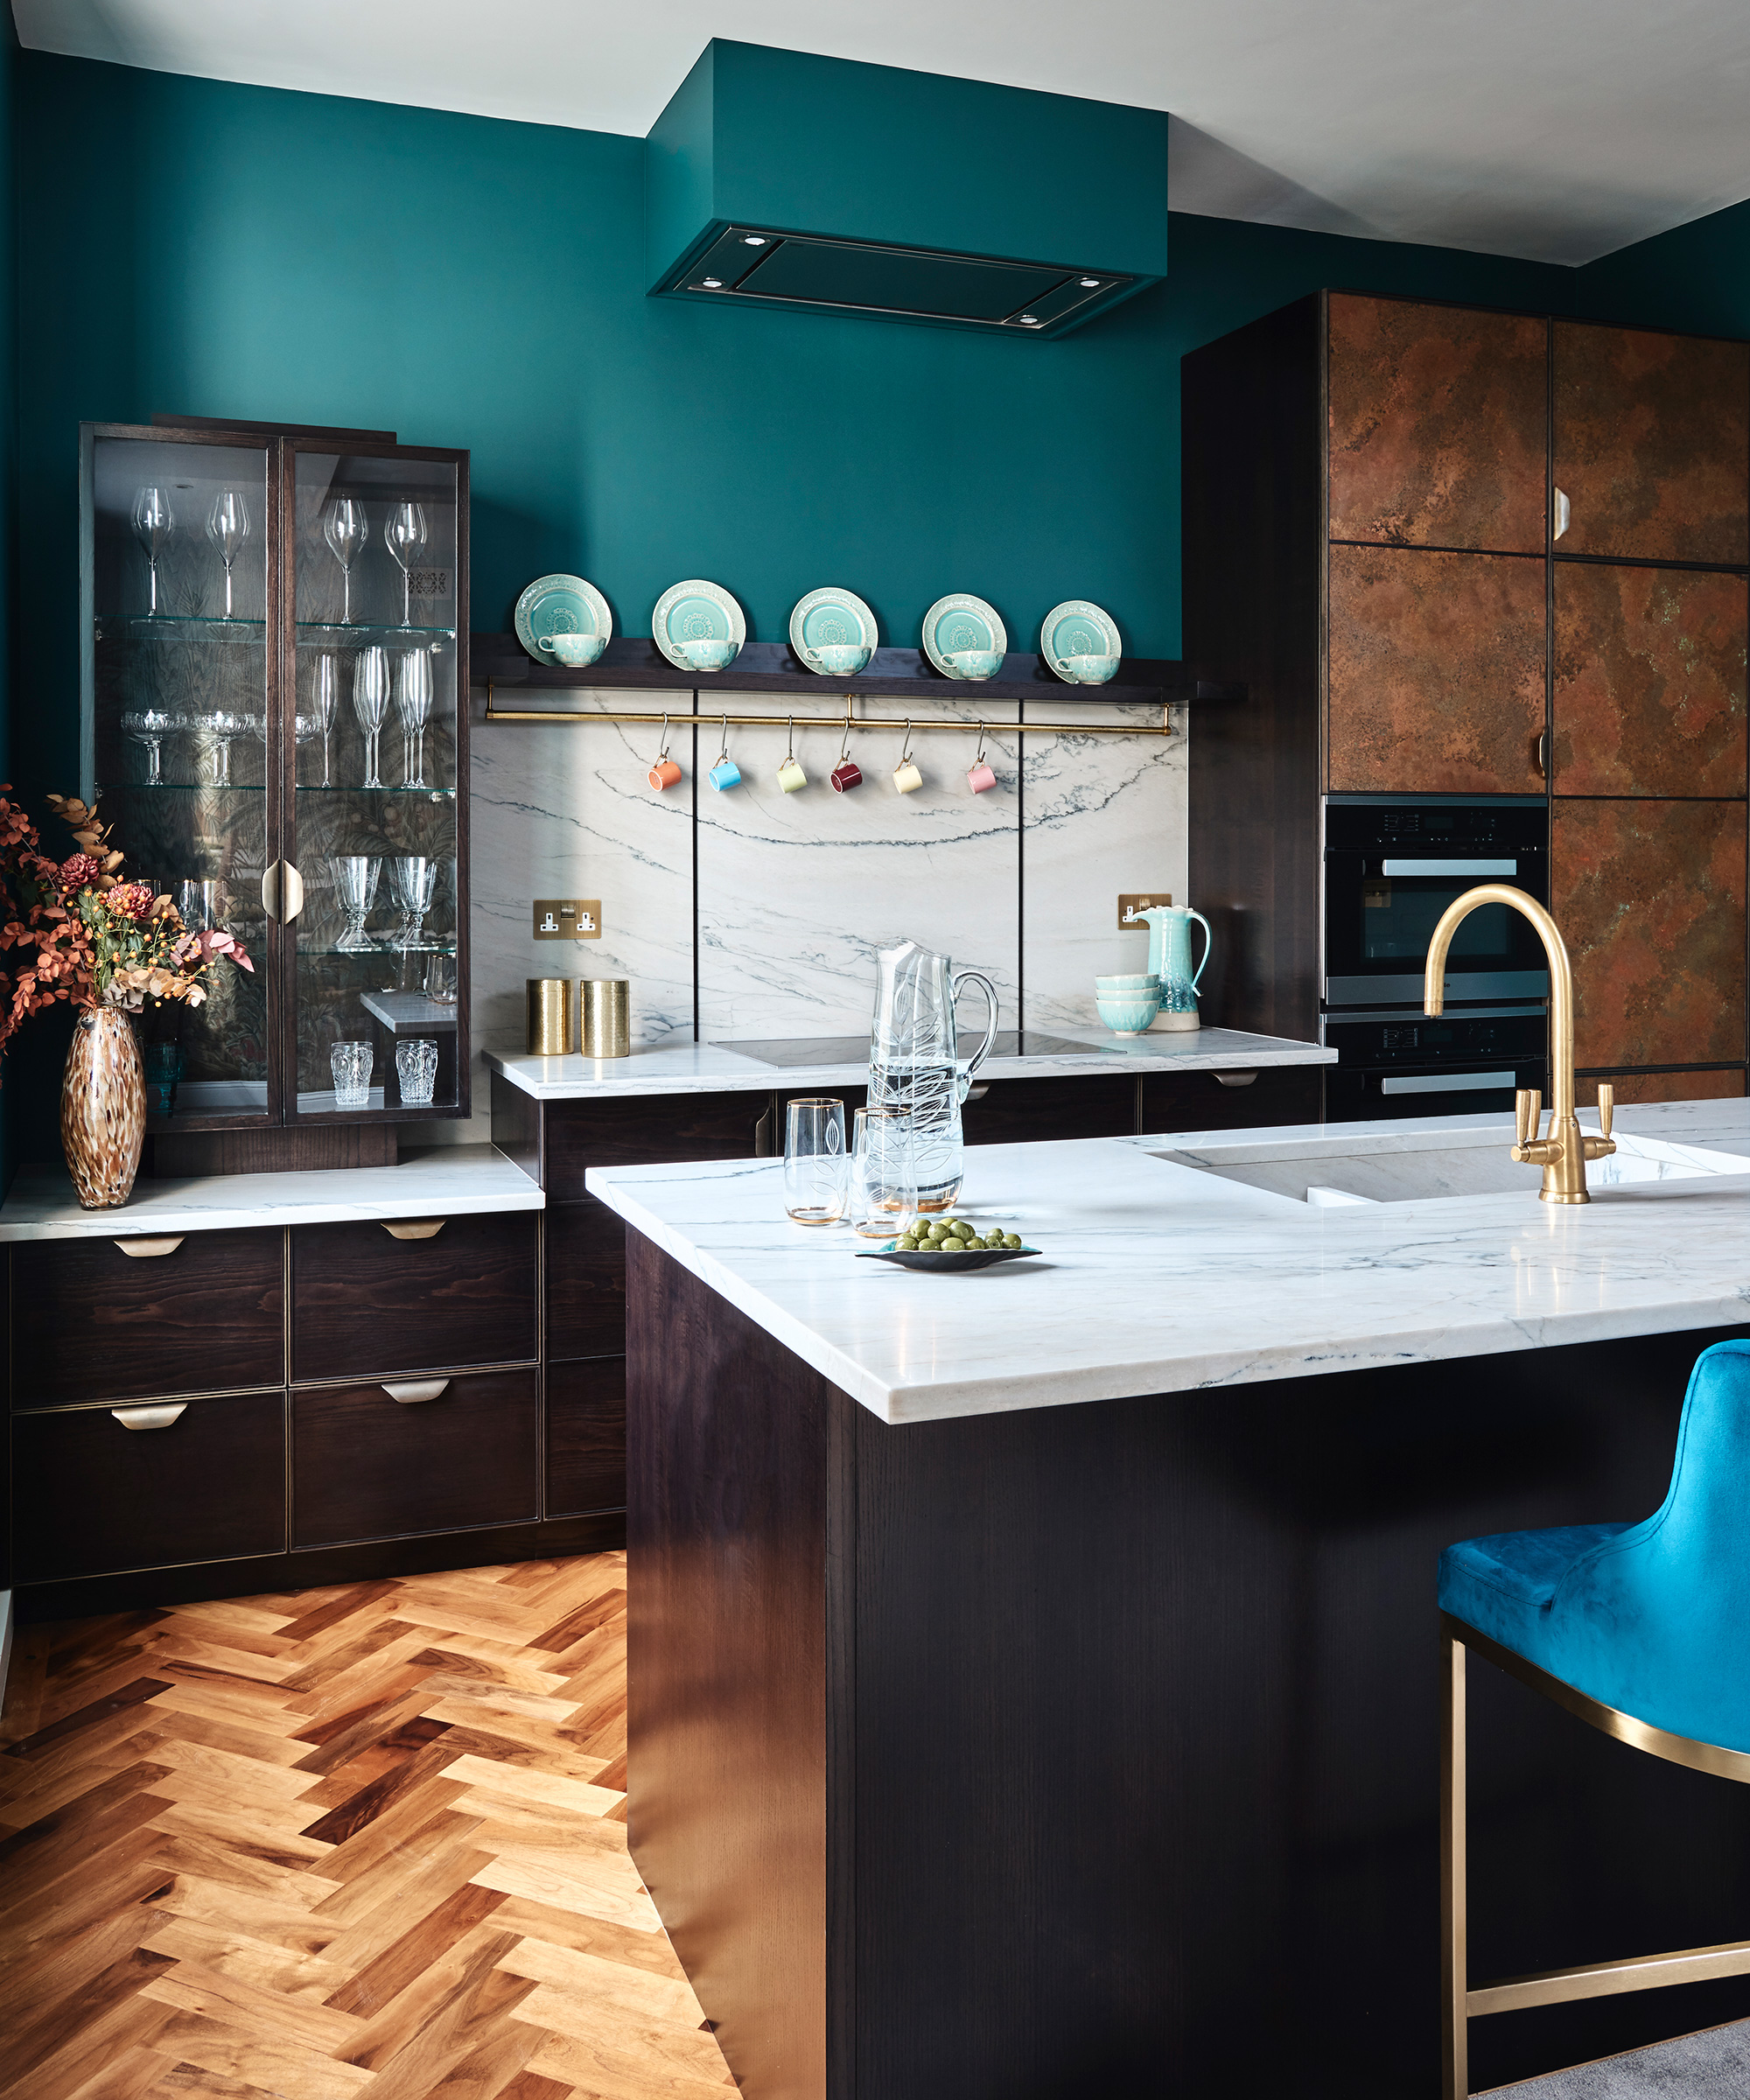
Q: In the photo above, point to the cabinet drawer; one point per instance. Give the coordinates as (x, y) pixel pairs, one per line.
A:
(1022, 1111)
(365, 1302)
(93, 1496)
(366, 1465)
(1198, 1101)
(581, 1134)
(585, 1280)
(586, 1437)
(92, 1322)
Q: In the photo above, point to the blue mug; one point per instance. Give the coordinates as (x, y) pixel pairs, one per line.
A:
(725, 773)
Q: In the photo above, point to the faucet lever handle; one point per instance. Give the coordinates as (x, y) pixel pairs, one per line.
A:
(1607, 1105)
(1528, 1113)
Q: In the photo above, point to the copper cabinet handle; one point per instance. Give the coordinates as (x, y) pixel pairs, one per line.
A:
(1544, 753)
(414, 1228)
(1564, 512)
(282, 891)
(409, 1389)
(1233, 1078)
(143, 1250)
(148, 1417)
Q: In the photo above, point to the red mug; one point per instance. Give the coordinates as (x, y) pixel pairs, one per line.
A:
(845, 776)
(663, 774)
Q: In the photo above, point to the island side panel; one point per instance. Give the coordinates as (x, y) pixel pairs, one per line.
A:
(727, 1448)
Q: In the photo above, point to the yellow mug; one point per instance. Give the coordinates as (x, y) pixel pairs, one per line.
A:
(906, 777)
(791, 776)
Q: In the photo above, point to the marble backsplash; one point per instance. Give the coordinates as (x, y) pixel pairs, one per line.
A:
(756, 914)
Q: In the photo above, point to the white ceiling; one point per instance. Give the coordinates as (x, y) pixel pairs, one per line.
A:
(1558, 130)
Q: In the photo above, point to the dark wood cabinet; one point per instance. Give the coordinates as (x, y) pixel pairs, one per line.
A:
(1439, 425)
(1650, 899)
(1650, 680)
(365, 1301)
(1651, 443)
(92, 1321)
(585, 1263)
(585, 1436)
(97, 1491)
(380, 1460)
(1212, 1101)
(1025, 1111)
(578, 1135)
(1436, 672)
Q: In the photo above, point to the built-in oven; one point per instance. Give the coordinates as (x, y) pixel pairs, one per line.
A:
(1392, 1063)
(1392, 865)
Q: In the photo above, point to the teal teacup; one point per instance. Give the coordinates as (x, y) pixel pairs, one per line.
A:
(1128, 1012)
(1145, 981)
(976, 663)
(707, 656)
(574, 650)
(1087, 670)
(842, 659)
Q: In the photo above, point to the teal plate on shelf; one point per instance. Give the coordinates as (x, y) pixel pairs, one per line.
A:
(960, 622)
(985, 1257)
(831, 619)
(1076, 629)
(560, 604)
(695, 611)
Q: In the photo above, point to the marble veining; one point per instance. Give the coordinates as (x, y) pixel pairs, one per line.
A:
(1156, 1277)
(683, 1067)
(446, 1181)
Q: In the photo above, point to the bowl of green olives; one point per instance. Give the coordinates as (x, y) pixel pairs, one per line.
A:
(951, 1245)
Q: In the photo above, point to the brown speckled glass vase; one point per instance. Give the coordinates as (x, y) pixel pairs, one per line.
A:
(102, 1108)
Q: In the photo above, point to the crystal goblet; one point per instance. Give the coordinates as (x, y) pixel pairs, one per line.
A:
(219, 727)
(345, 529)
(355, 880)
(149, 727)
(413, 698)
(404, 534)
(370, 703)
(412, 882)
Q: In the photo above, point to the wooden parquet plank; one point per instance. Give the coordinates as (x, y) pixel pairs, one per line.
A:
(306, 1847)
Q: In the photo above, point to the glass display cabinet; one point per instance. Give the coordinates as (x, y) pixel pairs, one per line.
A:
(275, 722)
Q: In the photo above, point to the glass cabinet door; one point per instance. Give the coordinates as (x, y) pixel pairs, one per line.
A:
(371, 743)
(177, 590)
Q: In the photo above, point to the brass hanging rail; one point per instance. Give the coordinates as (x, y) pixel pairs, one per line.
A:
(846, 721)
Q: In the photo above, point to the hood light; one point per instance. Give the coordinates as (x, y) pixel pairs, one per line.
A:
(712, 284)
(754, 239)
(1090, 284)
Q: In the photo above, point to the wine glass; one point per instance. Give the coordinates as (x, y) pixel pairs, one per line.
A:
(412, 879)
(404, 535)
(149, 727)
(345, 529)
(355, 877)
(413, 698)
(325, 694)
(153, 524)
(370, 702)
(222, 726)
(228, 527)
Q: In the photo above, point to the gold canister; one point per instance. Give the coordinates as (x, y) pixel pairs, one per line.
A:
(549, 1018)
(607, 1003)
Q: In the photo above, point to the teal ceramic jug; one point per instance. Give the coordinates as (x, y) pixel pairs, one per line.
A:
(1169, 929)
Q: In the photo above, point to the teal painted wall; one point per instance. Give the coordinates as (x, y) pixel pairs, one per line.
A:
(1696, 276)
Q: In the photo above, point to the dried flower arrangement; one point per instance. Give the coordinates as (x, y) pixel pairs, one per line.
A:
(75, 930)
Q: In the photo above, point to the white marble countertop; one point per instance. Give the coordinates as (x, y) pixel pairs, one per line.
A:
(676, 1067)
(446, 1181)
(1158, 1277)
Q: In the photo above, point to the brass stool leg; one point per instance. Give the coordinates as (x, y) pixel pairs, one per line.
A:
(1455, 2054)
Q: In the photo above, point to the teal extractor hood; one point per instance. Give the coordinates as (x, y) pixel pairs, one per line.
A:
(823, 185)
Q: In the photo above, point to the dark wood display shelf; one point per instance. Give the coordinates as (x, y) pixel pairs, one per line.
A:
(772, 667)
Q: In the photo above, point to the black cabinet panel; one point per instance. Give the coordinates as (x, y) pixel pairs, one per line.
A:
(585, 1280)
(585, 1436)
(645, 1132)
(1198, 1101)
(91, 1322)
(1020, 1111)
(366, 1465)
(93, 1496)
(366, 1303)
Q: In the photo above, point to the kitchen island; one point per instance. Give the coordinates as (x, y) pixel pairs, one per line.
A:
(1032, 1672)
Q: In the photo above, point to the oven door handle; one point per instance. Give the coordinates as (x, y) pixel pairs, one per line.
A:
(1445, 1082)
(1481, 869)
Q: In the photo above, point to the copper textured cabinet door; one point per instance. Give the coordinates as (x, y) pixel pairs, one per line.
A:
(1436, 672)
(1650, 691)
(1438, 424)
(1650, 898)
(1652, 444)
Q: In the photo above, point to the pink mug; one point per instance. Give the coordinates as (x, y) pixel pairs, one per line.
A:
(980, 777)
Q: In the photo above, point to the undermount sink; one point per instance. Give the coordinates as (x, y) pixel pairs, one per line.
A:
(1332, 1171)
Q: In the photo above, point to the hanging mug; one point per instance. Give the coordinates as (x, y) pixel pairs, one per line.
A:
(980, 777)
(790, 775)
(847, 774)
(665, 772)
(725, 773)
(906, 777)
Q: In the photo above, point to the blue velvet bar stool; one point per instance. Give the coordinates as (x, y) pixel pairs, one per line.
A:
(1642, 1629)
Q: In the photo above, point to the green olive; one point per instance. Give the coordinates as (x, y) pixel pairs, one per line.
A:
(1013, 1239)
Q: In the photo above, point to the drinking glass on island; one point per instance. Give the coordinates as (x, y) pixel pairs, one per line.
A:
(351, 1064)
(415, 1066)
(884, 1196)
(816, 1169)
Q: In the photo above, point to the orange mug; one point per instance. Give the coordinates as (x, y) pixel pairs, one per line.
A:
(663, 774)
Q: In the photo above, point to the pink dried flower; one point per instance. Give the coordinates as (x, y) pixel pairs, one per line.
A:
(131, 899)
(219, 943)
(79, 869)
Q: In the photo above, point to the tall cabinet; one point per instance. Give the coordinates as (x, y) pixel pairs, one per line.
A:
(275, 723)
(1459, 551)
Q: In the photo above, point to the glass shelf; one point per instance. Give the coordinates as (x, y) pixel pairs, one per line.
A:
(369, 626)
(431, 794)
(253, 787)
(379, 955)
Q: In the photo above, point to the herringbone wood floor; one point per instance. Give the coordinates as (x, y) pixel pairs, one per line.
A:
(340, 1843)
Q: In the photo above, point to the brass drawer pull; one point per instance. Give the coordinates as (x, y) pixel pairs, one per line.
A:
(409, 1389)
(1233, 1078)
(148, 1417)
(415, 1229)
(976, 1093)
(142, 1249)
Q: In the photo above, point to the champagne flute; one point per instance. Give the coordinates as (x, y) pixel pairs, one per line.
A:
(228, 527)
(413, 698)
(345, 529)
(404, 535)
(325, 691)
(153, 524)
(370, 702)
